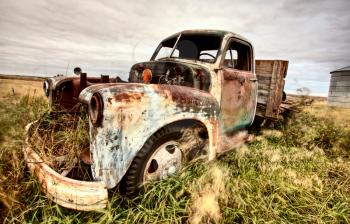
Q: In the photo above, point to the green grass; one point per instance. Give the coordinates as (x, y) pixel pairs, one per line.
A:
(294, 170)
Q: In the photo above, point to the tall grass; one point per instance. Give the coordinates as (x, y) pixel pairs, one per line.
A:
(294, 170)
(15, 113)
(60, 139)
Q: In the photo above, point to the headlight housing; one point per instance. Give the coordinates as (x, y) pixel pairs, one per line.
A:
(96, 109)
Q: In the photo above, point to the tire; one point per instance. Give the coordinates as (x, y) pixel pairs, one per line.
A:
(133, 180)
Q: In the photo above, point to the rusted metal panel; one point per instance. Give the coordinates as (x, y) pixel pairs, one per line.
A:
(70, 193)
(63, 91)
(238, 101)
(133, 113)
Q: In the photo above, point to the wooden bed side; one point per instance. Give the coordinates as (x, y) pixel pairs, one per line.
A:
(270, 74)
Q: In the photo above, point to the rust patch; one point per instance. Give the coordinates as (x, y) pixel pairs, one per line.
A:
(238, 100)
(127, 97)
(63, 92)
(189, 97)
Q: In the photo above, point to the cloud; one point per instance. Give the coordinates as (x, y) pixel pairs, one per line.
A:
(45, 37)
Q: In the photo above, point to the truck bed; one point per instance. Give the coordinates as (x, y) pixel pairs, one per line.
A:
(271, 75)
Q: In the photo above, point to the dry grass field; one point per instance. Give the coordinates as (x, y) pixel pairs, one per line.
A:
(294, 170)
(20, 87)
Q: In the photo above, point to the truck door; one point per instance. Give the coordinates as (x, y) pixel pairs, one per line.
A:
(239, 86)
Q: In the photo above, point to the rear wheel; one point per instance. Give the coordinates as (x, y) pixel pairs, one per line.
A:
(159, 158)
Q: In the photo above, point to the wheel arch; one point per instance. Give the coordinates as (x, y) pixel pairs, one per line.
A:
(115, 146)
(175, 126)
(185, 123)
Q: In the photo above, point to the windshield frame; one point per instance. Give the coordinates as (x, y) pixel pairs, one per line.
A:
(178, 37)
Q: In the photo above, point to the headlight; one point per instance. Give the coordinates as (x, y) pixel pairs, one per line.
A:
(96, 109)
(46, 87)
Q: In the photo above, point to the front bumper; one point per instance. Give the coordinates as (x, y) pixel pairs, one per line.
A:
(67, 192)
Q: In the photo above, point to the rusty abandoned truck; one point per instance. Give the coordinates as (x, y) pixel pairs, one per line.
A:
(204, 79)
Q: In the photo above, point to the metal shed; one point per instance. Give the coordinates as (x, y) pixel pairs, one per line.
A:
(339, 88)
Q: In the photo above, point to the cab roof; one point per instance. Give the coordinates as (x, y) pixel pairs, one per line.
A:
(220, 33)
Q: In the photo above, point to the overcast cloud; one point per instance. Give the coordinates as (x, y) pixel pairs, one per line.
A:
(40, 37)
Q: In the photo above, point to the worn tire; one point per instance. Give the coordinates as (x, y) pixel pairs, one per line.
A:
(132, 181)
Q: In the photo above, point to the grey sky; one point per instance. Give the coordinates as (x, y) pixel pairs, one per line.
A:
(46, 37)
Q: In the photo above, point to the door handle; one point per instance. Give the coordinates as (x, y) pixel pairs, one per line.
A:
(254, 79)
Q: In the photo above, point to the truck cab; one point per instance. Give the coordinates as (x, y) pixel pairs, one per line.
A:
(218, 62)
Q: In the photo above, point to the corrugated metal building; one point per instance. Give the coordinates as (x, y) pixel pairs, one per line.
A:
(339, 88)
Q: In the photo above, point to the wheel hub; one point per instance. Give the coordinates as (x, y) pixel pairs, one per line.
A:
(165, 161)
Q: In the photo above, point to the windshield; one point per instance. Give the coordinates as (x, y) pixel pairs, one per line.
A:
(203, 47)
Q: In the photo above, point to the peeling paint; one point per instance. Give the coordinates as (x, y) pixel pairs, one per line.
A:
(134, 120)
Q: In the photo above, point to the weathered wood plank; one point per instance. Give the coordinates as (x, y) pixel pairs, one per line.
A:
(263, 92)
(262, 74)
(262, 99)
(264, 78)
(264, 82)
(276, 88)
(270, 100)
(263, 86)
(270, 74)
(263, 66)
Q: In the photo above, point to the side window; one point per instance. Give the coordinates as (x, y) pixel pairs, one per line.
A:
(230, 58)
(238, 56)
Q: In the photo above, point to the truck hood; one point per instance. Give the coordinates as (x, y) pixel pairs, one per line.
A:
(183, 96)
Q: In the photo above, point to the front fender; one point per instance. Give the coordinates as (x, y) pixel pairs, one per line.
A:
(133, 113)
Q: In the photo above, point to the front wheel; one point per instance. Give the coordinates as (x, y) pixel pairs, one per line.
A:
(159, 158)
